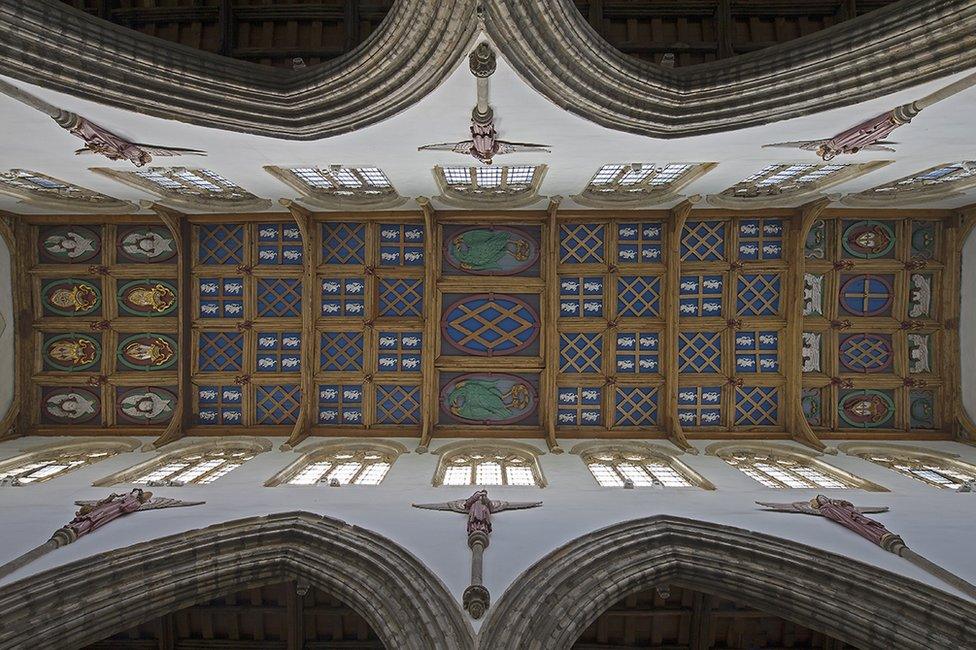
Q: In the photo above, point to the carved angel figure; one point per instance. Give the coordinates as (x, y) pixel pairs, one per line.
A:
(842, 512)
(479, 508)
(484, 144)
(99, 140)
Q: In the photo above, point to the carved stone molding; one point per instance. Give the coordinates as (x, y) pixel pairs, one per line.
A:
(554, 601)
(406, 605)
(548, 42)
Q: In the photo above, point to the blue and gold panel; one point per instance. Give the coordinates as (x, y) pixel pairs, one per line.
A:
(635, 406)
(492, 250)
(757, 352)
(489, 398)
(220, 405)
(279, 243)
(149, 352)
(756, 406)
(147, 298)
(638, 296)
(868, 239)
(69, 244)
(758, 294)
(71, 297)
(277, 404)
(343, 297)
(700, 406)
(494, 324)
(581, 352)
(401, 297)
(149, 405)
(921, 409)
(699, 352)
(220, 243)
(343, 243)
(397, 404)
(919, 353)
(341, 404)
(70, 405)
(640, 243)
(581, 297)
(700, 295)
(279, 352)
(579, 406)
(638, 352)
(71, 352)
(145, 245)
(398, 352)
(866, 409)
(401, 245)
(279, 297)
(866, 294)
(582, 243)
(866, 353)
(920, 295)
(924, 240)
(220, 352)
(811, 401)
(703, 241)
(760, 239)
(341, 352)
(815, 247)
(221, 298)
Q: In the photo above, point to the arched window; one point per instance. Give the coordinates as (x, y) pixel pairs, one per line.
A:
(932, 467)
(349, 462)
(45, 191)
(46, 463)
(612, 465)
(340, 188)
(783, 185)
(489, 185)
(944, 181)
(489, 465)
(190, 188)
(784, 467)
(639, 184)
(192, 463)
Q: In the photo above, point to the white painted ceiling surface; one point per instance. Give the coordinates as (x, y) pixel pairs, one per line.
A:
(31, 140)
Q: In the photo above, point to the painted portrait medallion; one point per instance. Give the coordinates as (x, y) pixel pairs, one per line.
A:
(69, 405)
(812, 407)
(71, 352)
(498, 250)
(145, 244)
(490, 324)
(147, 298)
(489, 398)
(866, 409)
(869, 239)
(921, 409)
(70, 297)
(147, 352)
(69, 244)
(145, 405)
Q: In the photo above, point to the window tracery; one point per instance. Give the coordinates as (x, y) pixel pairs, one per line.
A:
(643, 465)
(191, 463)
(45, 191)
(347, 463)
(933, 468)
(779, 467)
(639, 184)
(489, 185)
(486, 465)
(194, 189)
(51, 462)
(934, 184)
(781, 185)
(340, 188)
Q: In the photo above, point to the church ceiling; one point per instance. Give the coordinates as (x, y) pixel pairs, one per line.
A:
(689, 324)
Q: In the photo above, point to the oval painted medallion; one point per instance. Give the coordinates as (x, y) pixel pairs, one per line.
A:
(147, 352)
(866, 295)
(489, 398)
(69, 244)
(147, 298)
(498, 250)
(146, 405)
(868, 239)
(146, 244)
(70, 405)
(71, 297)
(71, 352)
(490, 324)
(922, 410)
(866, 353)
(866, 409)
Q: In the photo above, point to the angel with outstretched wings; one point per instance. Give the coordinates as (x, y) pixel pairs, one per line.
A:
(479, 509)
(484, 144)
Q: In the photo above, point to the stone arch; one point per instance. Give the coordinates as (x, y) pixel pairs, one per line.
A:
(93, 598)
(555, 600)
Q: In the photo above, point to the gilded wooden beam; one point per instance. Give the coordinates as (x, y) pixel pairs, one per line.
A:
(550, 346)
(306, 412)
(428, 351)
(669, 352)
(179, 228)
(792, 353)
(15, 421)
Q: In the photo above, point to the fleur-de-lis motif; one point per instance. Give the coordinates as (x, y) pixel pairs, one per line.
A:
(911, 325)
(244, 269)
(914, 265)
(242, 380)
(842, 383)
(842, 265)
(245, 325)
(734, 323)
(100, 325)
(911, 382)
(97, 269)
(97, 380)
(841, 324)
(734, 381)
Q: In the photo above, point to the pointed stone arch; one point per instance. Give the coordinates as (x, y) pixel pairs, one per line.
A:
(555, 600)
(91, 599)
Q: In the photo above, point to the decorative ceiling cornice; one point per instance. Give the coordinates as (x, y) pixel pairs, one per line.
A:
(547, 42)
